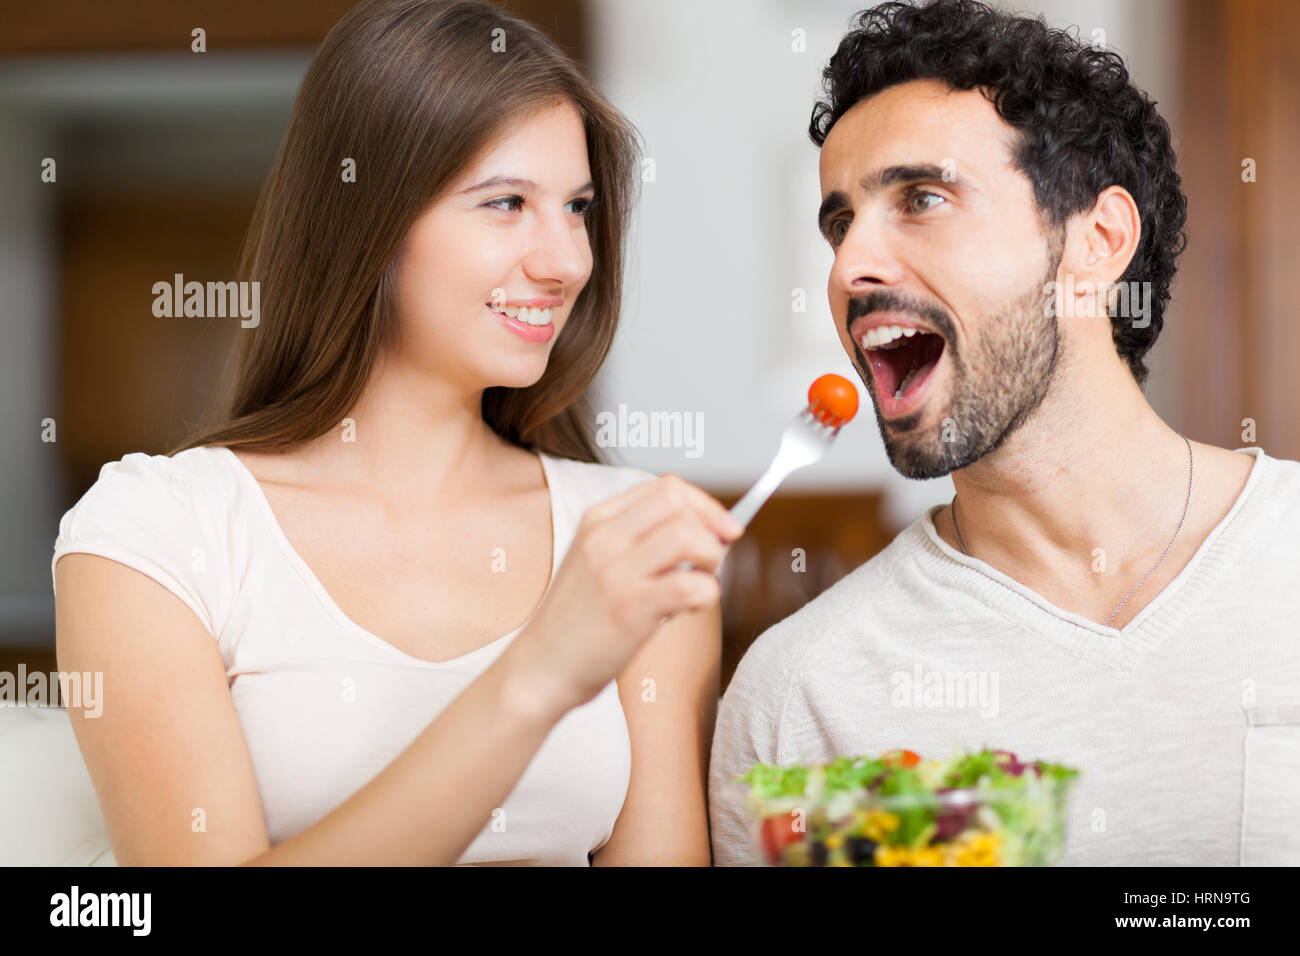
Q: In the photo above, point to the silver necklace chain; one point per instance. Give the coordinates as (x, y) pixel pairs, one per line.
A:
(953, 508)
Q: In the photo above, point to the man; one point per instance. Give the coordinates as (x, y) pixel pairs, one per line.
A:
(1101, 592)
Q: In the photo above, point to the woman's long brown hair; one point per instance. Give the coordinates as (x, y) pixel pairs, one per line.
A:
(412, 90)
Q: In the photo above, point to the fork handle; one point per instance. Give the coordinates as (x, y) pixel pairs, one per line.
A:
(745, 509)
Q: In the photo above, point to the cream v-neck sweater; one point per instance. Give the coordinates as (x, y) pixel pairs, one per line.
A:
(1185, 724)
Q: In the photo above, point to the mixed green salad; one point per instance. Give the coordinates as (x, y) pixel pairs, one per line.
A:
(979, 809)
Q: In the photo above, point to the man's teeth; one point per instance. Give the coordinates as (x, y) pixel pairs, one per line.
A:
(907, 380)
(526, 315)
(883, 336)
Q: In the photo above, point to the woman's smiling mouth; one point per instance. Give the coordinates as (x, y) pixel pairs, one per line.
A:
(529, 316)
(531, 323)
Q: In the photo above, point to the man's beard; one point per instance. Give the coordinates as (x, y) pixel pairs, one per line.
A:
(993, 392)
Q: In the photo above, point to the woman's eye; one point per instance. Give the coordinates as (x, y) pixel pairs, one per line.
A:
(919, 201)
(515, 203)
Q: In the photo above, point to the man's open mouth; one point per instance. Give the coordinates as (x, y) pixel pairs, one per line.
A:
(902, 359)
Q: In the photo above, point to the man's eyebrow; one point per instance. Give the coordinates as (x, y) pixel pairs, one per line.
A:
(518, 183)
(892, 175)
(834, 202)
(878, 180)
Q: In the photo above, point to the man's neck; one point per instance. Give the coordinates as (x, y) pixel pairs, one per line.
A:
(1093, 467)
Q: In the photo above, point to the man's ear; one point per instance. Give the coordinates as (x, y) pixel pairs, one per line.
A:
(1107, 239)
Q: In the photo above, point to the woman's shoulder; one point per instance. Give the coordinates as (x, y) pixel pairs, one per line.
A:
(163, 516)
(188, 480)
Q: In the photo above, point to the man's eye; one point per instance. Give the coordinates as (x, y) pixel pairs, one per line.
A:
(514, 203)
(919, 200)
(836, 231)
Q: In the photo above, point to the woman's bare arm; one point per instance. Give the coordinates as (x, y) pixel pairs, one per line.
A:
(172, 771)
(664, 821)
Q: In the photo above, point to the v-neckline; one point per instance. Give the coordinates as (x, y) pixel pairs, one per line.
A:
(331, 606)
(1146, 628)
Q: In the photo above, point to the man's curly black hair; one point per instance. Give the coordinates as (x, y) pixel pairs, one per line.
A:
(1082, 124)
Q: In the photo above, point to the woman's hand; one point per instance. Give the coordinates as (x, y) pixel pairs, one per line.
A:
(620, 580)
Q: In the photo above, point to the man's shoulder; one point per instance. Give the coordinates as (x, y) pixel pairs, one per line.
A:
(1268, 502)
(1284, 473)
(841, 608)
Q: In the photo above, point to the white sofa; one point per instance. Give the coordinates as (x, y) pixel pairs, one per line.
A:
(49, 814)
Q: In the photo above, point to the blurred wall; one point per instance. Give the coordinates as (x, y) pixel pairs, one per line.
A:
(126, 132)
(29, 478)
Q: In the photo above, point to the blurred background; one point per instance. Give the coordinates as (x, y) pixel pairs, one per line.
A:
(160, 152)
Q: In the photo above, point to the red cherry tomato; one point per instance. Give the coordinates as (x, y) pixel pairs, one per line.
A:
(777, 833)
(833, 400)
(902, 758)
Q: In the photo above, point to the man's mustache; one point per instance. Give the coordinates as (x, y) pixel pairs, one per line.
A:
(885, 301)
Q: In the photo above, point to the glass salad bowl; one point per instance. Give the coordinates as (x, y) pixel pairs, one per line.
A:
(979, 809)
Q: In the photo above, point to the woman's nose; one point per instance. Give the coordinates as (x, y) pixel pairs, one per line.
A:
(560, 251)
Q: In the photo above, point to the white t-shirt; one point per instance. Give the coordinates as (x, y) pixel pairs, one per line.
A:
(1185, 725)
(324, 704)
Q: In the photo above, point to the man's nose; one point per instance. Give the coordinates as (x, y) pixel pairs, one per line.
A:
(864, 259)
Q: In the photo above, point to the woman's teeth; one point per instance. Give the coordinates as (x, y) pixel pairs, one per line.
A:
(526, 315)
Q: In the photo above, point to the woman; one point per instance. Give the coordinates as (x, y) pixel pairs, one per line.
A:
(308, 655)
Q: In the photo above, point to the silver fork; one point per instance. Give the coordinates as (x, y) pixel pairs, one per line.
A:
(803, 442)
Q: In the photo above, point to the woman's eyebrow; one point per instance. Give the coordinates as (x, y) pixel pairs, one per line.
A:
(518, 183)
